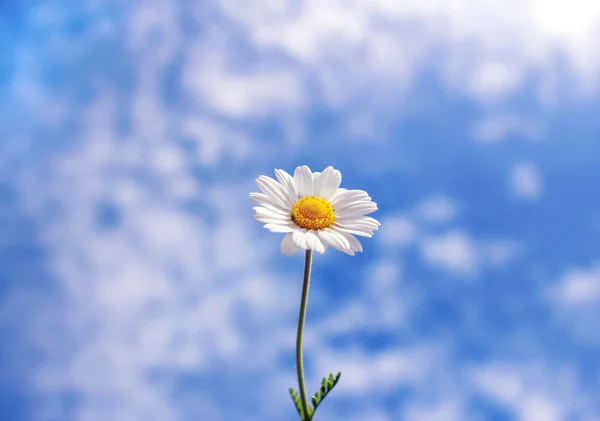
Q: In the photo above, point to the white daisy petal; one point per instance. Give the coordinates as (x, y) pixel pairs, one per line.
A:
(274, 208)
(267, 220)
(303, 181)
(359, 213)
(264, 220)
(373, 220)
(314, 242)
(328, 240)
(339, 237)
(351, 216)
(318, 179)
(357, 210)
(258, 197)
(335, 195)
(328, 183)
(345, 207)
(355, 231)
(270, 187)
(348, 196)
(363, 223)
(299, 237)
(288, 247)
(271, 194)
(355, 223)
(261, 216)
(354, 244)
(334, 239)
(279, 228)
(357, 204)
(274, 191)
(262, 199)
(267, 212)
(287, 182)
(288, 196)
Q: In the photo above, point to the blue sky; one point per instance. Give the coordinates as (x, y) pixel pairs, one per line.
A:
(134, 285)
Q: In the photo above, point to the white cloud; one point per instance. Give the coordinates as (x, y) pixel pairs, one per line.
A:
(493, 80)
(526, 181)
(454, 251)
(154, 32)
(532, 391)
(577, 287)
(384, 276)
(213, 141)
(500, 252)
(399, 231)
(496, 128)
(384, 304)
(365, 46)
(443, 410)
(438, 210)
(371, 373)
(364, 412)
(239, 92)
(241, 95)
(457, 252)
(574, 303)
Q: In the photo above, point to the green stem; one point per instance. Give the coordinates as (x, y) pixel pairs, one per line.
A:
(301, 317)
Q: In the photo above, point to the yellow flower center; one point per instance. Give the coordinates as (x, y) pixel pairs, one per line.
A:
(313, 213)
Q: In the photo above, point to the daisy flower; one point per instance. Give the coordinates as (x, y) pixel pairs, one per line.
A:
(313, 211)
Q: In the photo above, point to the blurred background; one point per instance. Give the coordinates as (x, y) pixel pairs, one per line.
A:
(134, 284)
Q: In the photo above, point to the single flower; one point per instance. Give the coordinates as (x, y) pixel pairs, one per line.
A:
(313, 211)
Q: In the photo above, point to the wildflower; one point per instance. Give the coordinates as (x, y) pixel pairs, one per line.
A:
(313, 211)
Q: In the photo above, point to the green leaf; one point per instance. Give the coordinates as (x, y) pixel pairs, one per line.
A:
(323, 389)
(297, 402)
(327, 384)
(330, 381)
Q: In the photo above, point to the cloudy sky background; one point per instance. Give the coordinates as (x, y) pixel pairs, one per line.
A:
(134, 286)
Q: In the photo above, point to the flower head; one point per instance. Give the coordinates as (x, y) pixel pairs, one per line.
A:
(313, 211)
